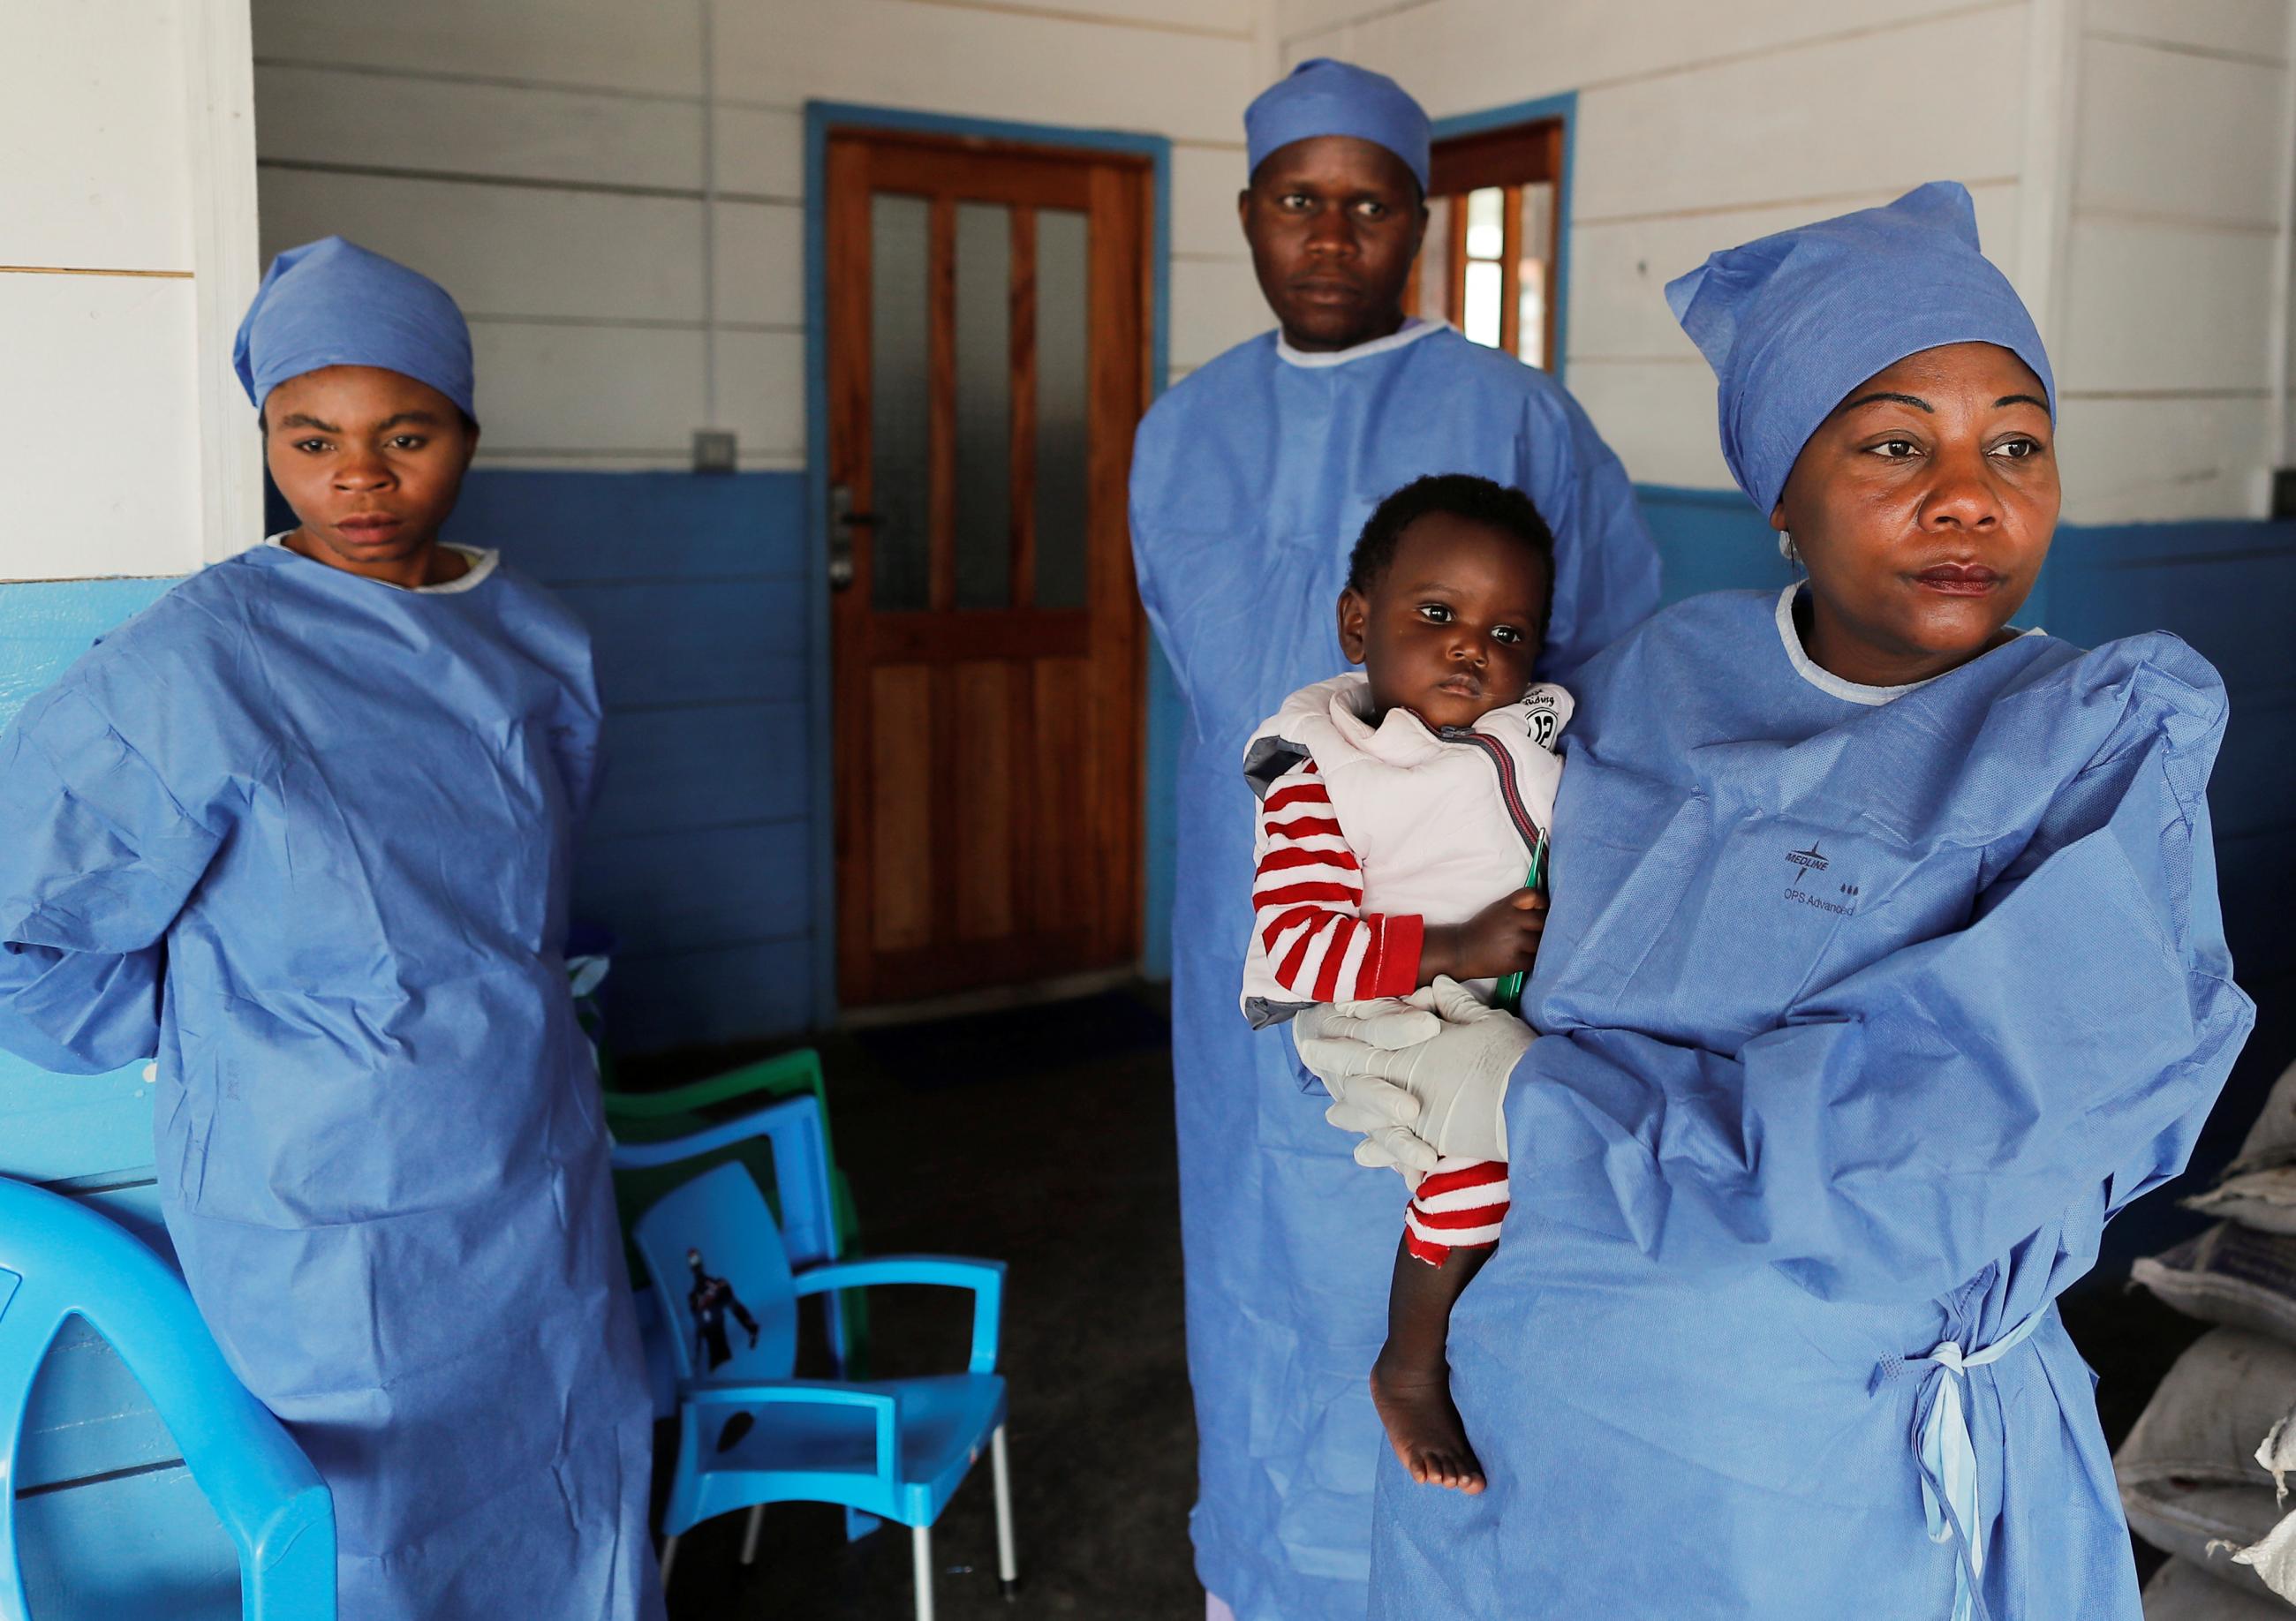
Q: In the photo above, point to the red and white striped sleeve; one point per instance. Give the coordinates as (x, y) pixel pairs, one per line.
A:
(1459, 1205)
(1308, 903)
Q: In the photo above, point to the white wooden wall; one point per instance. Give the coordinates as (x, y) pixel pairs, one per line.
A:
(126, 253)
(2172, 345)
(2128, 159)
(614, 188)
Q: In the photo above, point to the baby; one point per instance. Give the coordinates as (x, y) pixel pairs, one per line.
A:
(1403, 813)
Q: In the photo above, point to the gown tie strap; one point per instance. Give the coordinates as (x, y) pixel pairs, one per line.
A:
(1948, 1458)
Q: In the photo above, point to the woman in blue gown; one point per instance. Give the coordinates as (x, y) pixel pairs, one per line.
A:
(304, 828)
(1884, 966)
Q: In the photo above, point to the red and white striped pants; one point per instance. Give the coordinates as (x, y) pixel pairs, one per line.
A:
(1458, 1205)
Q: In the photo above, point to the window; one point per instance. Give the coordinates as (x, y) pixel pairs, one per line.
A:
(1488, 266)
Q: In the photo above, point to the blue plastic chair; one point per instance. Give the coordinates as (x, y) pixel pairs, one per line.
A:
(895, 1448)
(58, 1260)
(797, 1133)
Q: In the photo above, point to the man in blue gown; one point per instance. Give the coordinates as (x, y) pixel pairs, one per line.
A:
(1249, 483)
(304, 829)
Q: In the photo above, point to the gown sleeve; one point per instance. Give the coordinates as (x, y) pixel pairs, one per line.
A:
(1606, 567)
(96, 860)
(1921, 1118)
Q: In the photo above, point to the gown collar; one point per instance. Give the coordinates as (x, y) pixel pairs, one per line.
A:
(1411, 332)
(1826, 681)
(482, 560)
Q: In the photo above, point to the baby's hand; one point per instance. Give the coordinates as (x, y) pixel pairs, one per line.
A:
(1499, 940)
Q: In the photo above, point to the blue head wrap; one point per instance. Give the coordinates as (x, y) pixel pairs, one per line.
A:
(1792, 323)
(331, 303)
(1322, 97)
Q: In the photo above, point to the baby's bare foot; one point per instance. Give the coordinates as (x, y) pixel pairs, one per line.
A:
(1424, 1427)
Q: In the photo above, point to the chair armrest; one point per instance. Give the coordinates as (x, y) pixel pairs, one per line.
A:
(985, 1278)
(780, 1076)
(816, 1393)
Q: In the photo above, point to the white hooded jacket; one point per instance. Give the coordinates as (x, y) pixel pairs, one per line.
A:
(1368, 833)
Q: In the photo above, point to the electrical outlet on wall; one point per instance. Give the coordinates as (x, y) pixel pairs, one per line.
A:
(713, 450)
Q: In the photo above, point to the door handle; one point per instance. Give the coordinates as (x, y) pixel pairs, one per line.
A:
(842, 521)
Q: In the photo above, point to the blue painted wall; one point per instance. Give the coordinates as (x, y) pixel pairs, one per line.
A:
(699, 858)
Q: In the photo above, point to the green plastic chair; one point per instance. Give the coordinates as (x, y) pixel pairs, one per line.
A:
(657, 1117)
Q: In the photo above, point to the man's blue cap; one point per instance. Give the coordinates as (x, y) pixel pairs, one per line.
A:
(1792, 323)
(1322, 97)
(333, 303)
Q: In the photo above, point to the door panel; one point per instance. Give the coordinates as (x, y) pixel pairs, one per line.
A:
(987, 327)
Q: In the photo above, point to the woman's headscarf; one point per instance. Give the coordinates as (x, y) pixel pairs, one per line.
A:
(333, 303)
(1792, 323)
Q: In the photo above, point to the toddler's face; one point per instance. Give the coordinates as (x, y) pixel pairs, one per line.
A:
(1450, 631)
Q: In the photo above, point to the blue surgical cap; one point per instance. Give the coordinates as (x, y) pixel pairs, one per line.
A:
(1792, 323)
(331, 303)
(1322, 97)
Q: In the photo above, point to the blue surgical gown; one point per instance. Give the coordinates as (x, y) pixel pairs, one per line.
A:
(1251, 482)
(307, 837)
(1861, 1018)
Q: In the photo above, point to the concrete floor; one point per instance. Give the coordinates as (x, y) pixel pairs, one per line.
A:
(993, 1136)
(1063, 1168)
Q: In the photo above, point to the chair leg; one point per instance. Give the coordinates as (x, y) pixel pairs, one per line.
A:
(750, 1536)
(920, 1556)
(1000, 1468)
(668, 1555)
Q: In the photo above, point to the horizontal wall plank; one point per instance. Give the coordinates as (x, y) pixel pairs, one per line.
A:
(698, 890)
(662, 642)
(694, 998)
(1216, 305)
(2224, 587)
(2189, 137)
(87, 1415)
(2152, 307)
(2254, 788)
(71, 510)
(322, 115)
(1710, 540)
(566, 528)
(145, 1546)
(88, 185)
(673, 770)
(759, 152)
(1620, 269)
(761, 392)
(1466, 55)
(44, 626)
(2134, 461)
(626, 388)
(655, 47)
(508, 250)
(986, 62)
(1658, 416)
(2248, 27)
(759, 259)
(1768, 127)
(1205, 180)
(52, 1126)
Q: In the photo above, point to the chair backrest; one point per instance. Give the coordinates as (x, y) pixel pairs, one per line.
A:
(723, 1217)
(59, 1259)
(794, 1132)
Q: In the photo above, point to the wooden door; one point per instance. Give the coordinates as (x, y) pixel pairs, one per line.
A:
(987, 363)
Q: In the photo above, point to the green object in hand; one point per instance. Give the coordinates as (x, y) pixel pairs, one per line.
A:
(1509, 996)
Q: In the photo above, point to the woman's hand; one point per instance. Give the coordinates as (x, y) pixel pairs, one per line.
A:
(1499, 940)
(1440, 1097)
